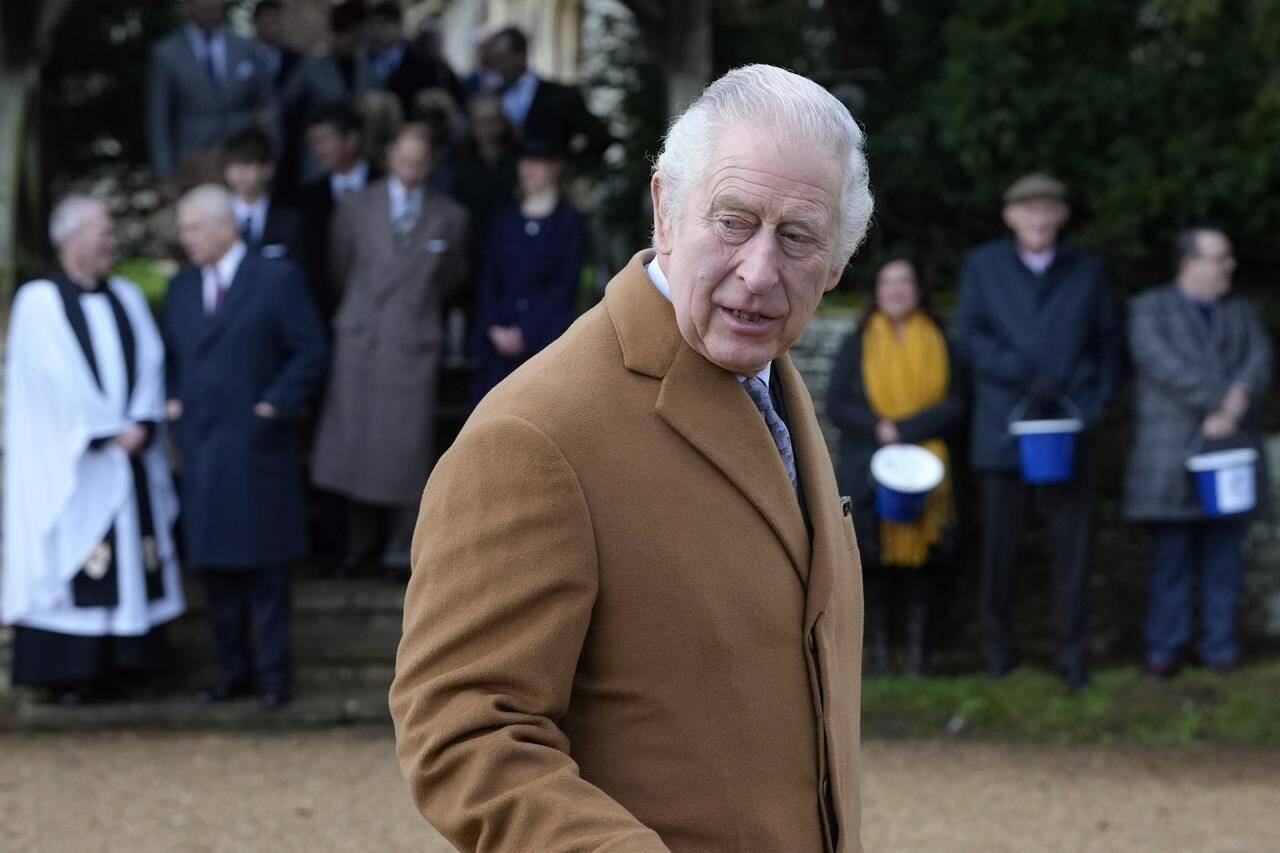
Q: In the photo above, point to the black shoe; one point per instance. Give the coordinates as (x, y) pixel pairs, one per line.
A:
(223, 691)
(275, 699)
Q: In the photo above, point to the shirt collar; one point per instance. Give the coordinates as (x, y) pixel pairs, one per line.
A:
(1038, 262)
(197, 36)
(228, 264)
(256, 210)
(659, 279)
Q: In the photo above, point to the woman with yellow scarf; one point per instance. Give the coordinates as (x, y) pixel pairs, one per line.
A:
(895, 381)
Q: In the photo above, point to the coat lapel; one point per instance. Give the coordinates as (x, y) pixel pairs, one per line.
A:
(707, 407)
(238, 294)
(821, 494)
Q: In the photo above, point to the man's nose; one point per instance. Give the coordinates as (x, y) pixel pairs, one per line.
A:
(758, 262)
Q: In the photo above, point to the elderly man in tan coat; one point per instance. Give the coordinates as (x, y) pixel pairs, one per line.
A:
(635, 616)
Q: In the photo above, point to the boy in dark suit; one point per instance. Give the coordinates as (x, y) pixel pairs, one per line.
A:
(266, 225)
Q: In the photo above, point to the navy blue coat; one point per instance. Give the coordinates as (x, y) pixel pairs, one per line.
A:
(1018, 332)
(242, 477)
(530, 279)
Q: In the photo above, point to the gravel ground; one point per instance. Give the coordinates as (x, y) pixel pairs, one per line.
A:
(340, 790)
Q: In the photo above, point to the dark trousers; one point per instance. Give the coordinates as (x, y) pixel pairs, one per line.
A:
(1212, 552)
(371, 527)
(249, 609)
(1004, 503)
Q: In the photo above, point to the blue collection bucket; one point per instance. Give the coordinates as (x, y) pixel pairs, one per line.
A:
(1046, 448)
(903, 475)
(1226, 480)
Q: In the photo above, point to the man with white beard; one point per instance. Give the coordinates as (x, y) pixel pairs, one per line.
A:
(90, 568)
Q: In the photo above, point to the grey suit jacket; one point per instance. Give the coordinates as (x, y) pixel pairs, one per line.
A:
(187, 112)
(1183, 367)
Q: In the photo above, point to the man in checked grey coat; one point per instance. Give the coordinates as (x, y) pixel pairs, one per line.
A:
(1202, 363)
(205, 83)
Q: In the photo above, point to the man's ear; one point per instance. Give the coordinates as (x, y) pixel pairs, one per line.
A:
(833, 278)
(661, 228)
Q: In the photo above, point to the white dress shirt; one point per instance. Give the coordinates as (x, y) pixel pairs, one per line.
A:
(222, 273)
(256, 213)
(403, 200)
(659, 279)
(340, 184)
(517, 100)
(1038, 262)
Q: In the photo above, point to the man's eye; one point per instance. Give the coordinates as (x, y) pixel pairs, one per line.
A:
(796, 237)
(733, 223)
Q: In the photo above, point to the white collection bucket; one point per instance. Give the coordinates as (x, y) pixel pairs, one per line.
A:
(904, 474)
(1226, 480)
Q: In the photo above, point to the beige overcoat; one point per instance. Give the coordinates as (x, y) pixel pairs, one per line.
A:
(375, 437)
(618, 634)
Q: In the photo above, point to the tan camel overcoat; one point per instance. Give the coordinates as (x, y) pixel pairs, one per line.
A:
(375, 439)
(619, 634)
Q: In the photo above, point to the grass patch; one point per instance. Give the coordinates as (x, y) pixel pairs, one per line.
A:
(1120, 705)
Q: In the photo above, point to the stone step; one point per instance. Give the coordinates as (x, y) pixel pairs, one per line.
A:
(309, 709)
(320, 642)
(360, 596)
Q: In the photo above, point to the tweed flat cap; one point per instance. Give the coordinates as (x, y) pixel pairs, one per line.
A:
(1035, 185)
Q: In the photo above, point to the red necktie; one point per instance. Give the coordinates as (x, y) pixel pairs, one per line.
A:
(219, 290)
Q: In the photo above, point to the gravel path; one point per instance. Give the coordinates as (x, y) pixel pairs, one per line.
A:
(340, 790)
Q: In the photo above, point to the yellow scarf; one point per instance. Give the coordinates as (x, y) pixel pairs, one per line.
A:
(902, 376)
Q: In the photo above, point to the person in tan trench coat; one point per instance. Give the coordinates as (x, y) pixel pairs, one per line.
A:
(635, 615)
(398, 248)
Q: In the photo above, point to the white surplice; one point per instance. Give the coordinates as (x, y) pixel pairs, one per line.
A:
(60, 496)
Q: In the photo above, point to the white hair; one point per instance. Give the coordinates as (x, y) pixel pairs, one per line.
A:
(212, 200)
(69, 216)
(764, 97)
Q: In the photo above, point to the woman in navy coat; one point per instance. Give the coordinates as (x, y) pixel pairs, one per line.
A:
(532, 266)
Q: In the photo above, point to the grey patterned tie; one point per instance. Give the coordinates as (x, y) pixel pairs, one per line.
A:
(759, 394)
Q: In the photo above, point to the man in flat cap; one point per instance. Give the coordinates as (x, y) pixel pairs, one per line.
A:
(1043, 340)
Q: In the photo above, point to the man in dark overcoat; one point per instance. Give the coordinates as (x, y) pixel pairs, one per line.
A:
(397, 247)
(1036, 326)
(1202, 363)
(247, 352)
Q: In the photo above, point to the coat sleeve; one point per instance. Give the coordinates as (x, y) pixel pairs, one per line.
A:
(496, 612)
(1255, 373)
(988, 356)
(846, 399)
(168, 334)
(1107, 342)
(302, 338)
(159, 116)
(941, 420)
(1158, 362)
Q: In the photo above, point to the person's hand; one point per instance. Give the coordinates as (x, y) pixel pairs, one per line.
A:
(508, 340)
(173, 410)
(887, 432)
(1236, 403)
(264, 410)
(1218, 425)
(1045, 389)
(132, 439)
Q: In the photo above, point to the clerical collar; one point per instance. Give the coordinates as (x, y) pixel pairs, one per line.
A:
(60, 275)
(659, 279)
